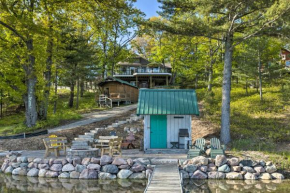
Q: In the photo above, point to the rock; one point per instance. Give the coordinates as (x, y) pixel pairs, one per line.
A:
(124, 167)
(140, 175)
(211, 167)
(33, 172)
(69, 160)
(148, 173)
(251, 176)
(220, 160)
(234, 176)
(9, 170)
(94, 167)
(23, 165)
(80, 168)
(113, 169)
(207, 152)
(95, 160)
(216, 175)
(105, 159)
(269, 163)
(32, 165)
(64, 161)
(262, 163)
(51, 174)
(30, 159)
(243, 172)
(224, 168)
(42, 173)
(137, 167)
(259, 169)
(199, 160)
(248, 163)
(277, 176)
(144, 161)
(12, 158)
(265, 176)
(190, 168)
(43, 166)
(248, 169)
(64, 175)
(76, 161)
(130, 162)
(86, 161)
(50, 162)
(203, 168)
(56, 167)
(57, 161)
(233, 161)
(124, 174)
(22, 159)
(19, 171)
(68, 168)
(236, 168)
(106, 176)
(89, 174)
(15, 165)
(37, 160)
(199, 175)
(4, 166)
(74, 175)
(184, 174)
(119, 161)
(270, 168)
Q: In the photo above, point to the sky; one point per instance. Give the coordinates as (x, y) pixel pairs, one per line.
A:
(149, 7)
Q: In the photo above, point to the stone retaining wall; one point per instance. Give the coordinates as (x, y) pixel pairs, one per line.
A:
(105, 167)
(234, 169)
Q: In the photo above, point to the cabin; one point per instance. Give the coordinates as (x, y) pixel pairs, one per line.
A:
(119, 91)
(285, 57)
(167, 117)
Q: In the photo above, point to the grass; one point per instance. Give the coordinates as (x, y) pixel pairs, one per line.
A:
(14, 124)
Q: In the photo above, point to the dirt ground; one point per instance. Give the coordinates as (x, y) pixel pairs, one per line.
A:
(36, 143)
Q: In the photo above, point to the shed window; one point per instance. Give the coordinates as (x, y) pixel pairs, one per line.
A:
(178, 117)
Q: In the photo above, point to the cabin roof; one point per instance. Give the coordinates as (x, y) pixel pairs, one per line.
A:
(167, 102)
(112, 79)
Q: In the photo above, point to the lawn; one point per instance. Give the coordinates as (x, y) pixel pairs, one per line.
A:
(14, 124)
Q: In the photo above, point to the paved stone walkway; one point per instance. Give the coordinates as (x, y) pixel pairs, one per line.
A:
(94, 117)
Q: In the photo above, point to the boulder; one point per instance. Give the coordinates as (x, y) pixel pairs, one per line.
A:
(259, 169)
(9, 170)
(262, 163)
(42, 173)
(4, 165)
(216, 175)
(211, 167)
(124, 167)
(19, 171)
(140, 175)
(233, 161)
(105, 159)
(56, 167)
(251, 176)
(199, 175)
(80, 168)
(45, 161)
(68, 168)
(265, 176)
(94, 167)
(76, 161)
(30, 159)
(248, 163)
(86, 161)
(119, 161)
(207, 152)
(37, 160)
(236, 168)
(43, 166)
(113, 169)
(50, 162)
(89, 174)
(74, 175)
(33, 172)
(23, 165)
(106, 176)
(224, 168)
(220, 160)
(130, 162)
(64, 175)
(269, 163)
(248, 169)
(234, 176)
(199, 160)
(95, 160)
(12, 158)
(32, 165)
(144, 161)
(124, 174)
(69, 160)
(190, 168)
(51, 174)
(184, 174)
(137, 167)
(15, 165)
(64, 161)
(57, 161)
(270, 168)
(277, 176)
(22, 159)
(203, 168)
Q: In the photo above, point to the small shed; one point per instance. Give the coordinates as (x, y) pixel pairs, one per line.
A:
(167, 115)
(119, 90)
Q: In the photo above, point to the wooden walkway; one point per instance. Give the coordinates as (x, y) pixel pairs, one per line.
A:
(165, 178)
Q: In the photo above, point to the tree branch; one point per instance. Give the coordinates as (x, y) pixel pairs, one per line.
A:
(13, 30)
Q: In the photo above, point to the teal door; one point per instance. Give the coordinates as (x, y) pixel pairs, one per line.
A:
(158, 133)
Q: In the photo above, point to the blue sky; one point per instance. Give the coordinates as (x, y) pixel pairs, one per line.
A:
(149, 7)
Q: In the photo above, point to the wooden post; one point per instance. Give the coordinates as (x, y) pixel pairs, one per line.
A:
(150, 81)
(137, 81)
(166, 80)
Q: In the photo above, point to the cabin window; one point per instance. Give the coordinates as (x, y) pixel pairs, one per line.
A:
(283, 56)
(178, 117)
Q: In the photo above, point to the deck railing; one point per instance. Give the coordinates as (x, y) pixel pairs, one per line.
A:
(142, 70)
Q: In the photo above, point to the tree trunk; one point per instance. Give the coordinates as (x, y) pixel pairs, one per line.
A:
(31, 79)
(72, 94)
(55, 91)
(78, 94)
(260, 76)
(196, 81)
(210, 74)
(1, 103)
(82, 87)
(247, 93)
(226, 91)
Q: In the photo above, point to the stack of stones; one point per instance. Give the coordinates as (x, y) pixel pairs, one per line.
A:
(222, 168)
(87, 168)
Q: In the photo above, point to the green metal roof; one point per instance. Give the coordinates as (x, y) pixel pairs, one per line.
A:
(167, 102)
